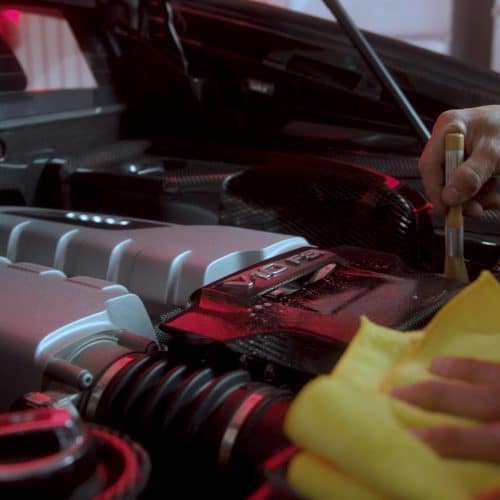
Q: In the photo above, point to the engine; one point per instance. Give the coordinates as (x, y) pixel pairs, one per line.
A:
(190, 340)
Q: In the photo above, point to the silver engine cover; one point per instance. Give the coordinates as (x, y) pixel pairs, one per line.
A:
(162, 263)
(45, 315)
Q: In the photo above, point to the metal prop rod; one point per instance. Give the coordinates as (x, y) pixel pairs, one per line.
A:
(378, 67)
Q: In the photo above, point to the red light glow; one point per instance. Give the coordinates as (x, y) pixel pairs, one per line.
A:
(391, 183)
(424, 208)
(11, 15)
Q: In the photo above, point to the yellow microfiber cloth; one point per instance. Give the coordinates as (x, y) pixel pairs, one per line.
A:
(355, 439)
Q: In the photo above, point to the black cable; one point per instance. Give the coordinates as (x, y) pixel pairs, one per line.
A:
(378, 67)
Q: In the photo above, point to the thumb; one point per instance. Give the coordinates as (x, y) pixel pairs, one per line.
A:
(468, 178)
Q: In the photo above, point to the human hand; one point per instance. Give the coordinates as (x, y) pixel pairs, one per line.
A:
(473, 183)
(473, 391)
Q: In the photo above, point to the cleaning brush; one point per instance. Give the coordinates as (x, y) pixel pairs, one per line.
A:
(454, 264)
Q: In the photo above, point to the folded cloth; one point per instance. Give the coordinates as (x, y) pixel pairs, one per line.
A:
(356, 440)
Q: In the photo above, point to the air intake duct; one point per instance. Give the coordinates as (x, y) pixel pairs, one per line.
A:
(204, 430)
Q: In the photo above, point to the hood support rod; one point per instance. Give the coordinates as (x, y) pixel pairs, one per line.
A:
(378, 67)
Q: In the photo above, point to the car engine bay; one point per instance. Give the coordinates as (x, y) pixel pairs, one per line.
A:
(185, 246)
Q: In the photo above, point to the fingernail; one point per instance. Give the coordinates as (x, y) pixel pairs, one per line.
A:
(452, 196)
(398, 392)
(419, 433)
(441, 365)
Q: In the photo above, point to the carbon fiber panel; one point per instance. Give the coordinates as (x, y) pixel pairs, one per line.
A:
(343, 205)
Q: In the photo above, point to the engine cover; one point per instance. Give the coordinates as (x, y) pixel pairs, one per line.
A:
(162, 263)
(45, 313)
(301, 309)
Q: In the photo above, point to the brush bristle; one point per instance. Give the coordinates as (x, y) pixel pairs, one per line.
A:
(455, 269)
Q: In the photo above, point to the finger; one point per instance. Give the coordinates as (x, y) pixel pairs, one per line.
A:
(476, 443)
(473, 208)
(432, 158)
(469, 177)
(489, 201)
(464, 400)
(489, 197)
(477, 206)
(467, 370)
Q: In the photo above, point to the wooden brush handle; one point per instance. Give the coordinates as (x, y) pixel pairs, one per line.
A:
(454, 156)
(454, 218)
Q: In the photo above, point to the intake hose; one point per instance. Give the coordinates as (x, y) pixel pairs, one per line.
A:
(205, 431)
